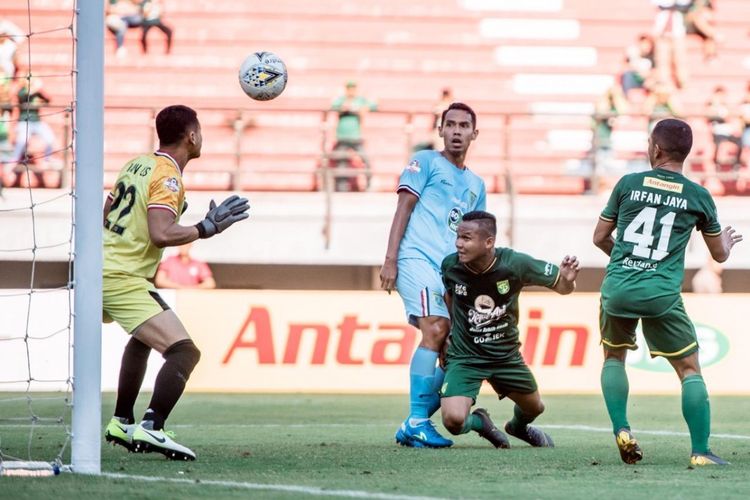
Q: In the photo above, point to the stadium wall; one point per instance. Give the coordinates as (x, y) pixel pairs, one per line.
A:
(359, 342)
(289, 228)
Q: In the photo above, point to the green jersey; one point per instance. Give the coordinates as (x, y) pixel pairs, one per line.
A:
(484, 307)
(655, 213)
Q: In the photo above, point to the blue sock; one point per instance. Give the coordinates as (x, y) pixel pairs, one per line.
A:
(435, 397)
(422, 389)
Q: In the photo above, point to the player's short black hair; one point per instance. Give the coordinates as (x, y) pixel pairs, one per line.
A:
(487, 222)
(174, 122)
(674, 137)
(462, 107)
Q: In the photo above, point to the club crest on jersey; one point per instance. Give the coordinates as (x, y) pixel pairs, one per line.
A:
(172, 184)
(503, 287)
(454, 218)
(413, 166)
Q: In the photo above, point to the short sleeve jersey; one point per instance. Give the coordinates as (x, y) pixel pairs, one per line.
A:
(148, 182)
(484, 307)
(655, 213)
(445, 194)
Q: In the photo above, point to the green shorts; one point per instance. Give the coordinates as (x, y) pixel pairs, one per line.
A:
(465, 377)
(130, 301)
(671, 335)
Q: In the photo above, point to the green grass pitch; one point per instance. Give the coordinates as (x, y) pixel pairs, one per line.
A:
(320, 446)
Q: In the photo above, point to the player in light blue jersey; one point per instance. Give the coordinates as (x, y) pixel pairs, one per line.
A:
(434, 192)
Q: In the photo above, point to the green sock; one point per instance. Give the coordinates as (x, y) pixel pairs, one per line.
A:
(472, 423)
(615, 389)
(697, 412)
(520, 420)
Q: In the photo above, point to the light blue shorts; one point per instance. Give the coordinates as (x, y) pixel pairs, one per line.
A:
(421, 288)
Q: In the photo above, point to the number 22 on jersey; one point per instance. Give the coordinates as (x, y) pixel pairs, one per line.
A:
(120, 208)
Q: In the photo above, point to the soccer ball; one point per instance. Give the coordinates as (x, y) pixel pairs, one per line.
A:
(263, 76)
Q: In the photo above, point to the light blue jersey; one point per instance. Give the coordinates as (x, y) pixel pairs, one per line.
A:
(445, 193)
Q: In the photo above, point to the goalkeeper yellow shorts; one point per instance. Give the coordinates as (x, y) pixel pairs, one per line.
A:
(130, 301)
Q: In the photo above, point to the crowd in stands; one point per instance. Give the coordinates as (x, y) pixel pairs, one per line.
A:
(21, 99)
(655, 74)
(122, 15)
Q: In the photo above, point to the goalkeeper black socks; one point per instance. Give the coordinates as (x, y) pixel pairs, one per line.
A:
(132, 371)
(180, 359)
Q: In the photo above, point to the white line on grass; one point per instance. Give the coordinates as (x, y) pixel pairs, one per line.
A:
(588, 428)
(582, 428)
(289, 488)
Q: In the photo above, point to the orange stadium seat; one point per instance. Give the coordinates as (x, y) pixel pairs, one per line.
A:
(397, 60)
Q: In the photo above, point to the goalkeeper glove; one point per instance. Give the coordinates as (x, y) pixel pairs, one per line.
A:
(218, 218)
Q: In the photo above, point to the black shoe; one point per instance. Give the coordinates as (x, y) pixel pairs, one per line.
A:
(532, 435)
(489, 431)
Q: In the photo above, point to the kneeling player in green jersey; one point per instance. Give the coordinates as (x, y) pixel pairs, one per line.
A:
(654, 213)
(482, 286)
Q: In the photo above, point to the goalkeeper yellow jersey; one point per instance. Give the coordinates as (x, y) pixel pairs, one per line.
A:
(148, 182)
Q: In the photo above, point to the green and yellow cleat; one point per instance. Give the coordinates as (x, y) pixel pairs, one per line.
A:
(630, 452)
(118, 432)
(701, 459)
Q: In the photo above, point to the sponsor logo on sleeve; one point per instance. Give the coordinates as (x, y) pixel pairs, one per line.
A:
(413, 166)
(172, 184)
(548, 269)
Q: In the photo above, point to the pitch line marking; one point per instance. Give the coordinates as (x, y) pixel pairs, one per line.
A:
(588, 428)
(288, 488)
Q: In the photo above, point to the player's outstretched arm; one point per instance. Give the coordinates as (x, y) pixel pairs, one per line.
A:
(218, 218)
(720, 246)
(406, 203)
(569, 268)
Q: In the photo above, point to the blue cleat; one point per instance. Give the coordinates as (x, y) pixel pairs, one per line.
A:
(422, 435)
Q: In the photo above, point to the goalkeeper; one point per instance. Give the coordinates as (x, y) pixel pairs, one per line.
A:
(141, 217)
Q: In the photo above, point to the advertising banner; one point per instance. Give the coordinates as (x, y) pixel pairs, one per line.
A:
(353, 342)
(356, 342)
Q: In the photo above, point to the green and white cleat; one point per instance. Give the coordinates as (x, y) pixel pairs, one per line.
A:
(146, 440)
(119, 432)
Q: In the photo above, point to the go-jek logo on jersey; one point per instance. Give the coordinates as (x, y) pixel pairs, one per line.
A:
(454, 218)
(714, 346)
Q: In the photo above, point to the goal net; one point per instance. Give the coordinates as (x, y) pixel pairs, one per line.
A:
(50, 251)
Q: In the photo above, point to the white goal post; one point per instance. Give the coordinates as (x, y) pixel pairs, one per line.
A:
(89, 180)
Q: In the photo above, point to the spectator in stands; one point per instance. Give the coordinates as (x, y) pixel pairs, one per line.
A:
(723, 126)
(10, 37)
(640, 63)
(745, 116)
(351, 108)
(31, 97)
(669, 31)
(152, 11)
(661, 103)
(183, 271)
(435, 141)
(609, 106)
(708, 278)
(122, 15)
(700, 20)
